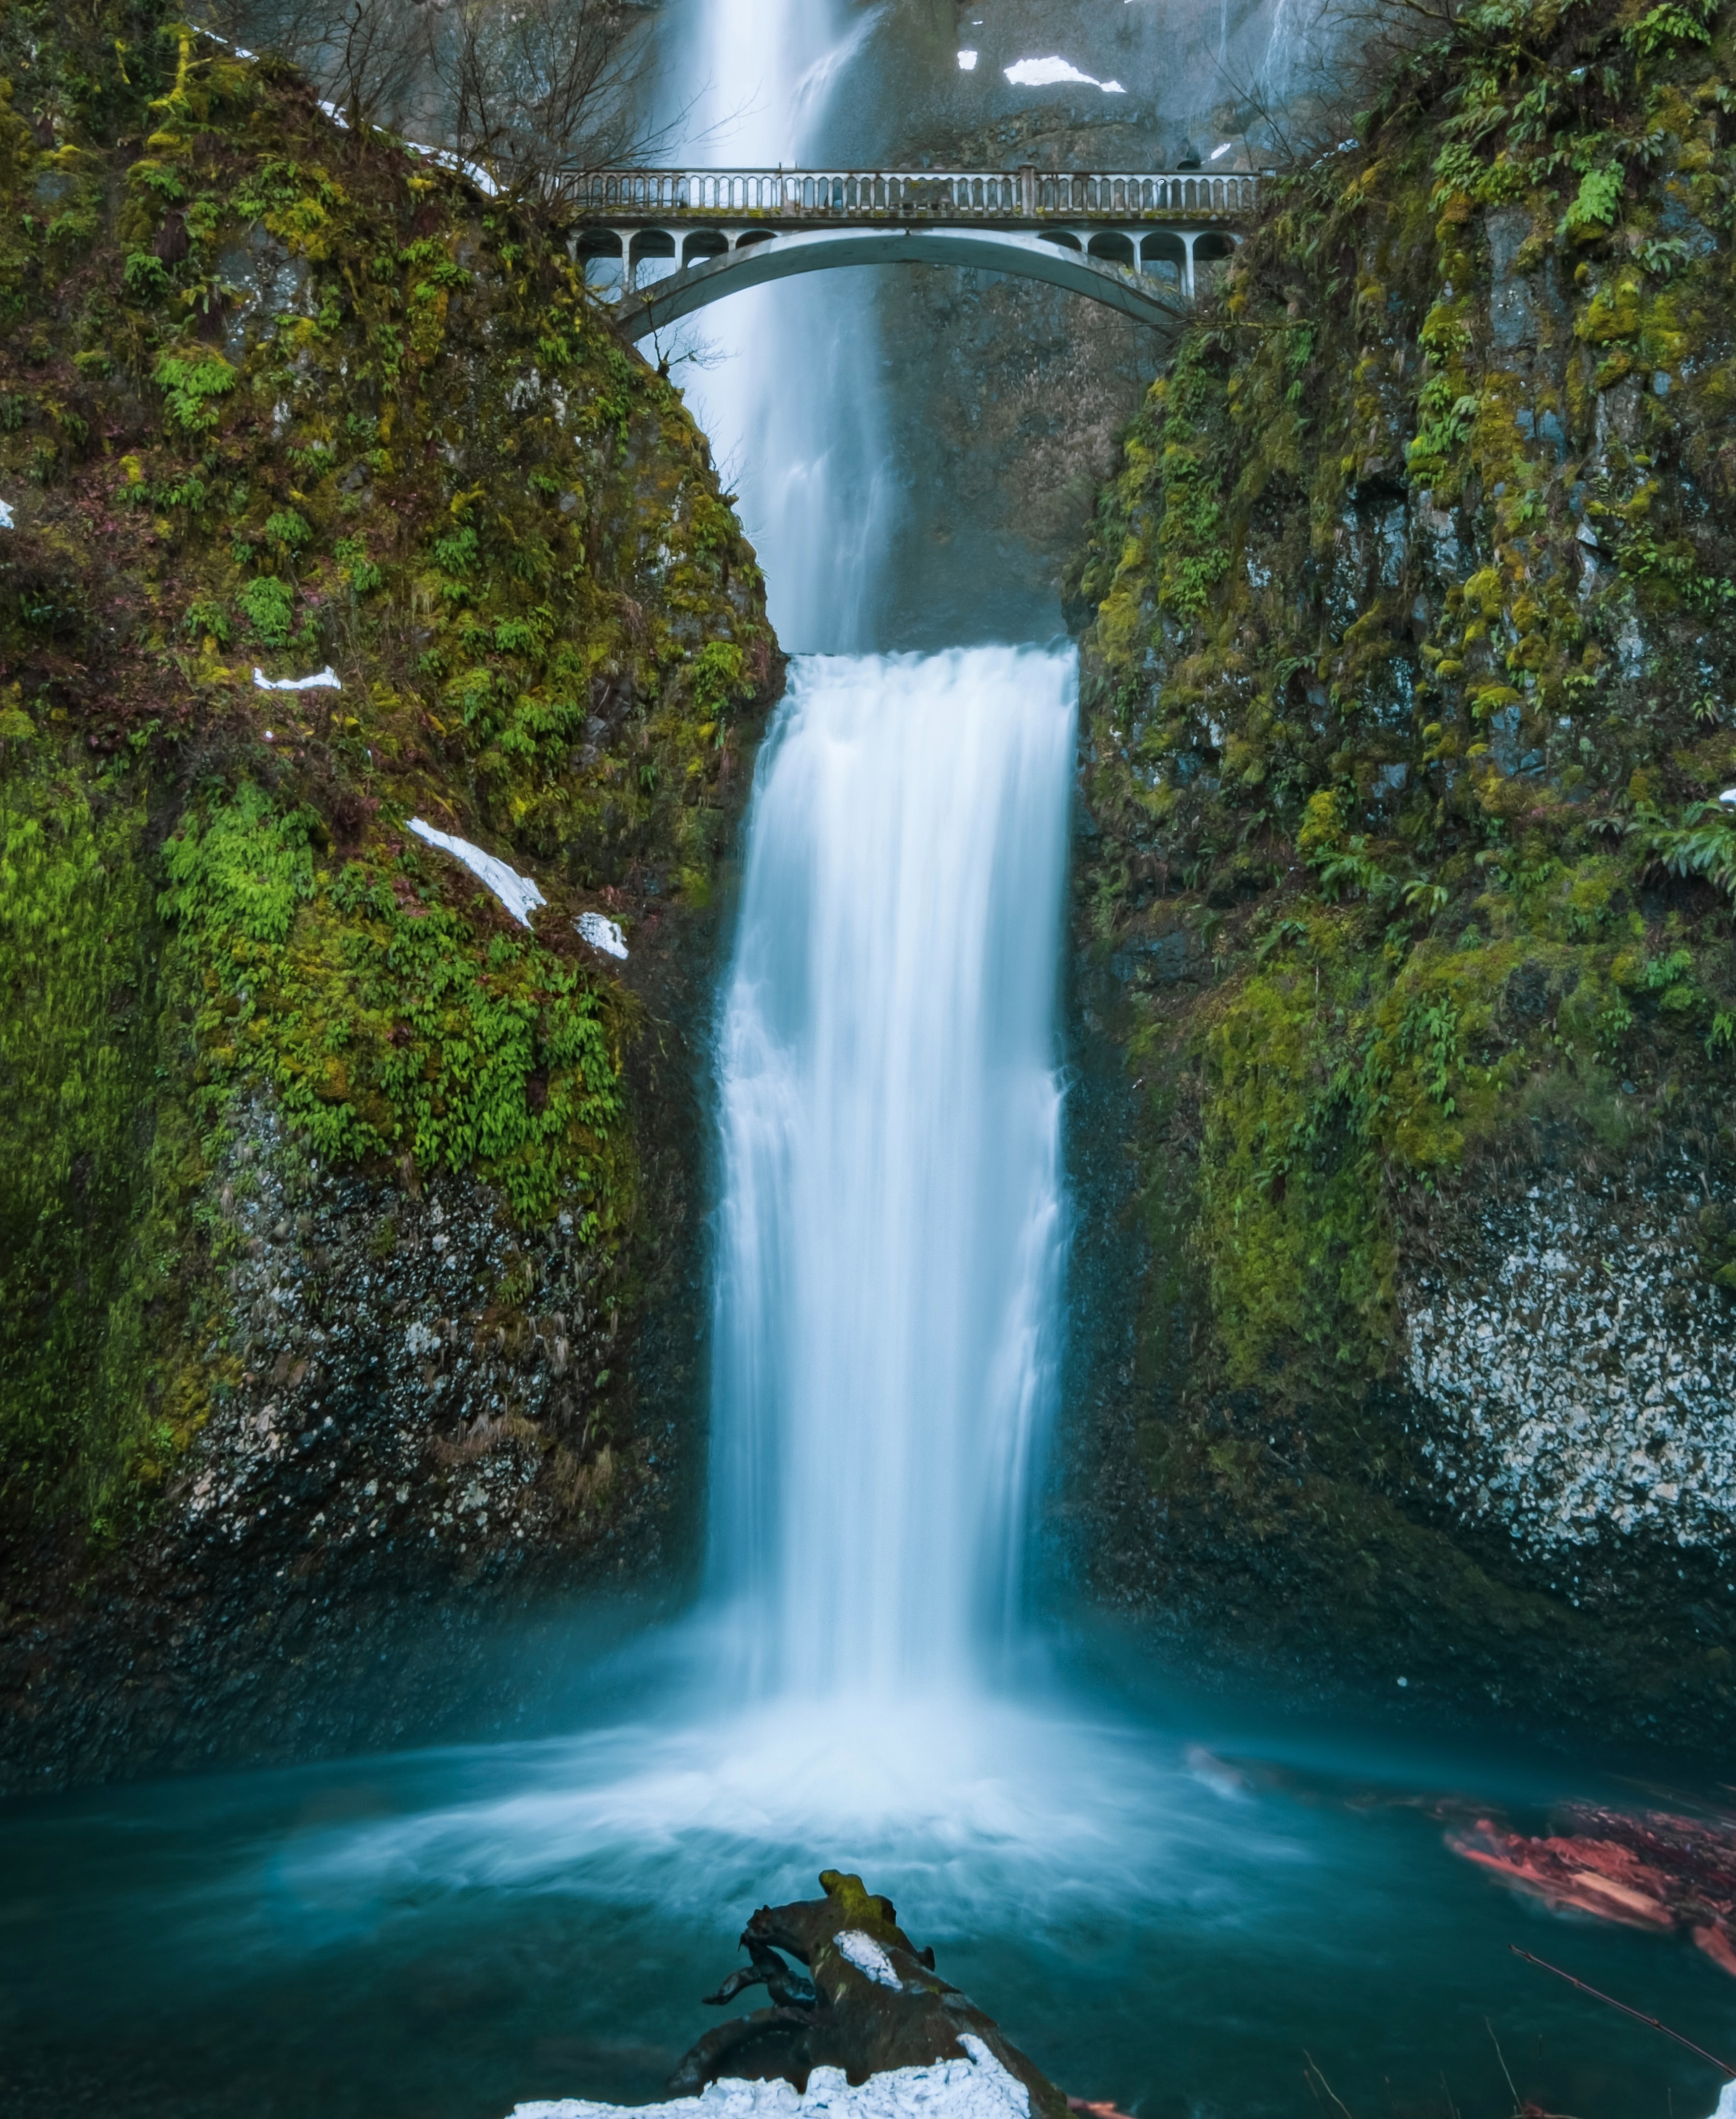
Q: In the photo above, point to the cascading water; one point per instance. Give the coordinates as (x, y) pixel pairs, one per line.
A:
(891, 1221)
(785, 383)
(443, 1932)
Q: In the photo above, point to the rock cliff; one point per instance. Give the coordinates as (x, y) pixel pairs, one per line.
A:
(1404, 888)
(347, 1278)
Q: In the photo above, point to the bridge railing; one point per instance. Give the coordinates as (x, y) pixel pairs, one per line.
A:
(945, 194)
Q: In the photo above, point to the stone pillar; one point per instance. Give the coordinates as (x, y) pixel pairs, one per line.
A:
(624, 236)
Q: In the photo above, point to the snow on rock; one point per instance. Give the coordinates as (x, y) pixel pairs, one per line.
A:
(321, 680)
(1727, 797)
(601, 933)
(979, 2088)
(475, 171)
(6, 516)
(866, 1955)
(1726, 2102)
(516, 892)
(1045, 73)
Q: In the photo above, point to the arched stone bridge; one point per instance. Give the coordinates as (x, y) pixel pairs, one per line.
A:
(667, 242)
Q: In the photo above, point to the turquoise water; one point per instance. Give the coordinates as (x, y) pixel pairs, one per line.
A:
(1168, 1920)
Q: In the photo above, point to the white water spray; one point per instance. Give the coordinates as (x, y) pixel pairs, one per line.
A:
(891, 1226)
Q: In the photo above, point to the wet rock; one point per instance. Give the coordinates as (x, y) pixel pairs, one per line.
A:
(1512, 320)
(875, 2003)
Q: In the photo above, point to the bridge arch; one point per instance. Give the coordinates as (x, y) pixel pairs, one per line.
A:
(1123, 269)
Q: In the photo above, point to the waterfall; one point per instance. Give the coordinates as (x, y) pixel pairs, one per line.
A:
(891, 1223)
(787, 383)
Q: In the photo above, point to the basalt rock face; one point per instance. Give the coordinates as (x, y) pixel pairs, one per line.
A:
(1004, 399)
(1410, 681)
(1006, 404)
(875, 2002)
(348, 1258)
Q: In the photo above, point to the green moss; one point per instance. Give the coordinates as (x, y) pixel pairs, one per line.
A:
(1408, 805)
(348, 413)
(1408, 679)
(94, 1175)
(389, 1026)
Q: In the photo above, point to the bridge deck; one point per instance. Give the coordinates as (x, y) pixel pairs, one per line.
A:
(805, 198)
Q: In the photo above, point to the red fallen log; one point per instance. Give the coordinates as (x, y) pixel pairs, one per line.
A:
(1649, 1870)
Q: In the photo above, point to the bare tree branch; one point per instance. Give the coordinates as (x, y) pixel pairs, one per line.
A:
(373, 58)
(538, 91)
(531, 92)
(1337, 60)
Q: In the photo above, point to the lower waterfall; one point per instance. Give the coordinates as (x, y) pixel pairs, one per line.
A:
(890, 1228)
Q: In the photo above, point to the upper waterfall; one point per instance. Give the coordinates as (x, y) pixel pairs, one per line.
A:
(785, 381)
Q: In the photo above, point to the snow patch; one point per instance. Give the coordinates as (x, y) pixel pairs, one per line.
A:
(321, 680)
(979, 2088)
(6, 516)
(601, 933)
(446, 159)
(967, 62)
(866, 1955)
(1044, 73)
(516, 892)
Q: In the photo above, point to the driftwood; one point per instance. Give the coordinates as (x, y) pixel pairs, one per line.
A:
(873, 2002)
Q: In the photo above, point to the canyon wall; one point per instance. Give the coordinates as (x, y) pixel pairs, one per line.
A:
(348, 1235)
(1403, 889)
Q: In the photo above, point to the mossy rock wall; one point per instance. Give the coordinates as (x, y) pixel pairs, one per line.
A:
(1409, 667)
(331, 1196)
